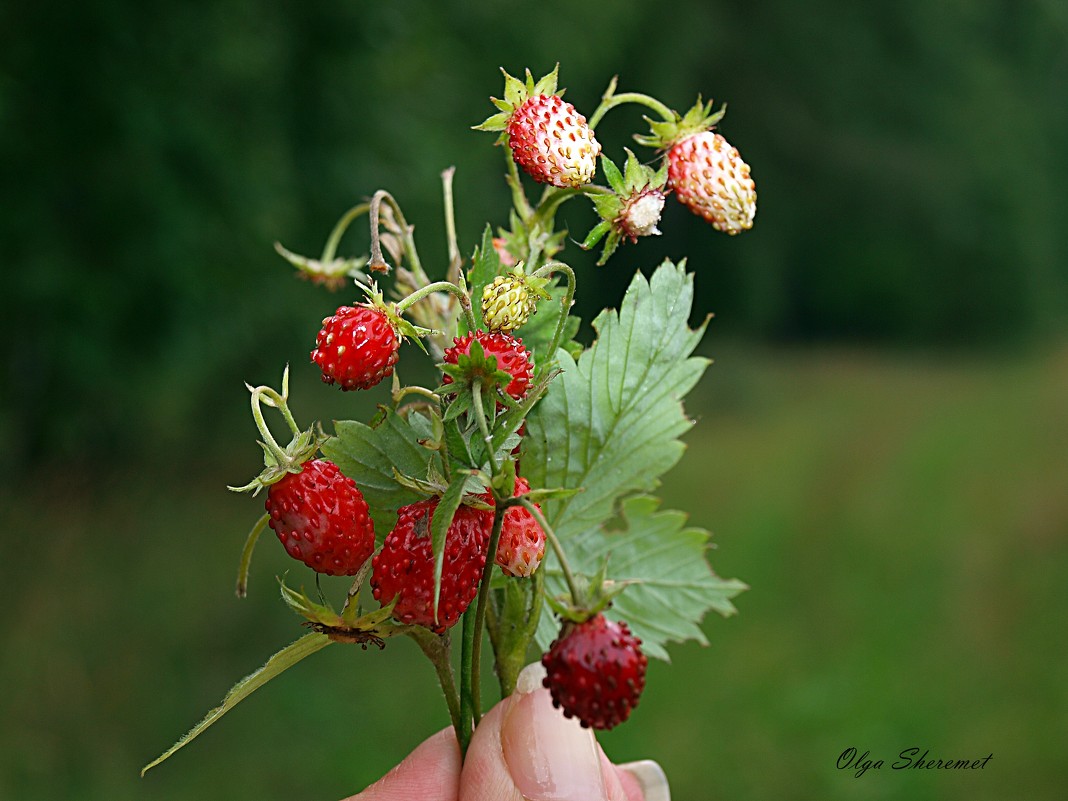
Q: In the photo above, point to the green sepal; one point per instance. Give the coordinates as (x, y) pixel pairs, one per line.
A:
(666, 133)
(301, 449)
(246, 554)
(495, 122)
(614, 176)
(460, 404)
(331, 274)
(610, 245)
(439, 527)
(276, 665)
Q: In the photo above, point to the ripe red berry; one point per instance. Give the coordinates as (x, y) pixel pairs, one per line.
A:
(595, 671)
(321, 518)
(551, 141)
(511, 357)
(357, 347)
(521, 546)
(404, 568)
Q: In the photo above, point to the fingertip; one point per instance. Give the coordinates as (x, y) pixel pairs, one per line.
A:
(430, 773)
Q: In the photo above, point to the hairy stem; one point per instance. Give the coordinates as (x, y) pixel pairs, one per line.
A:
(483, 426)
(453, 273)
(550, 535)
(480, 611)
(440, 286)
(610, 102)
(569, 298)
(437, 650)
(330, 250)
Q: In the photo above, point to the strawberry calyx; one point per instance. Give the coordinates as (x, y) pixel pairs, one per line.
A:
(516, 93)
(666, 133)
(633, 207)
(333, 274)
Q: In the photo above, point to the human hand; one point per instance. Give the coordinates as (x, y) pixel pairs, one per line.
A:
(524, 748)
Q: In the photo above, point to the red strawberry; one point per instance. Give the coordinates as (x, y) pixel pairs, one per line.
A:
(711, 180)
(522, 543)
(511, 357)
(404, 568)
(552, 142)
(595, 671)
(321, 518)
(357, 347)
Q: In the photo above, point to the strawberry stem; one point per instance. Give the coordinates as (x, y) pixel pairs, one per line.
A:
(455, 261)
(475, 662)
(330, 250)
(611, 101)
(268, 438)
(440, 286)
(519, 197)
(569, 298)
(437, 651)
(483, 426)
(550, 535)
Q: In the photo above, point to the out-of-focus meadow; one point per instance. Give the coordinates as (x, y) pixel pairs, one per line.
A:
(882, 448)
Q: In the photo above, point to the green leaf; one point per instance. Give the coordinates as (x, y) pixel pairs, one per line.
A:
(673, 585)
(485, 266)
(277, 664)
(610, 422)
(439, 527)
(369, 455)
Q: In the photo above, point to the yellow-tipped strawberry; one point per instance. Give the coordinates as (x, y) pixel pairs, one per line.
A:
(549, 139)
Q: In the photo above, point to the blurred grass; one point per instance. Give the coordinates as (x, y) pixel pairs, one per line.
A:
(902, 522)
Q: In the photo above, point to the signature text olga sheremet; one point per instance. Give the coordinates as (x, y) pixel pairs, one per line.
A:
(907, 759)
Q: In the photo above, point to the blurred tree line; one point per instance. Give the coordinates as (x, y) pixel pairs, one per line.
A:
(909, 160)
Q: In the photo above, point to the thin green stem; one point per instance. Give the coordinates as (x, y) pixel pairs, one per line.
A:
(483, 426)
(519, 197)
(440, 286)
(550, 535)
(279, 401)
(330, 250)
(437, 650)
(610, 102)
(480, 611)
(268, 438)
(453, 273)
(468, 705)
(569, 298)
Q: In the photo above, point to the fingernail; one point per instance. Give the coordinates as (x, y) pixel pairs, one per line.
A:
(550, 757)
(651, 778)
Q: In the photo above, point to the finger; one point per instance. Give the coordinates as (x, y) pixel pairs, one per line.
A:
(430, 773)
(524, 748)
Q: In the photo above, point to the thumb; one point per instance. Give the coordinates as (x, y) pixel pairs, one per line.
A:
(430, 773)
(525, 748)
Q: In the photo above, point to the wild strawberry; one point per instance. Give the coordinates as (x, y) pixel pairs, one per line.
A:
(508, 302)
(633, 207)
(595, 671)
(321, 518)
(549, 139)
(522, 543)
(711, 180)
(357, 347)
(404, 568)
(509, 352)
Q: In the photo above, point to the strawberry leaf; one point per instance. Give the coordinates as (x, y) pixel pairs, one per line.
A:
(439, 527)
(669, 584)
(610, 423)
(369, 454)
(280, 662)
(485, 266)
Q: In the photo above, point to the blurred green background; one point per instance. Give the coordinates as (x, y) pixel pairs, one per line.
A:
(883, 448)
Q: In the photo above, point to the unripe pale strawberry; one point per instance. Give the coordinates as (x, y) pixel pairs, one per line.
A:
(522, 544)
(551, 141)
(711, 180)
(507, 303)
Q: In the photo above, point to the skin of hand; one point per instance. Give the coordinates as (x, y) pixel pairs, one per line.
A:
(524, 749)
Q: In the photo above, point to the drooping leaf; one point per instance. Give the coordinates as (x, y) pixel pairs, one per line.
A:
(369, 455)
(277, 664)
(439, 527)
(673, 584)
(610, 422)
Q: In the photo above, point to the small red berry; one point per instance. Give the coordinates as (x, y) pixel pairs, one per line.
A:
(321, 518)
(404, 568)
(357, 347)
(521, 546)
(595, 671)
(511, 357)
(711, 179)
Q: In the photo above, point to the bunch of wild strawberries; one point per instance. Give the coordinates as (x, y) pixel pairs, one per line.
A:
(440, 553)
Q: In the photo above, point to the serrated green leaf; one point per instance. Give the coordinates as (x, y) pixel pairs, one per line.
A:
(610, 423)
(369, 455)
(439, 527)
(673, 584)
(277, 664)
